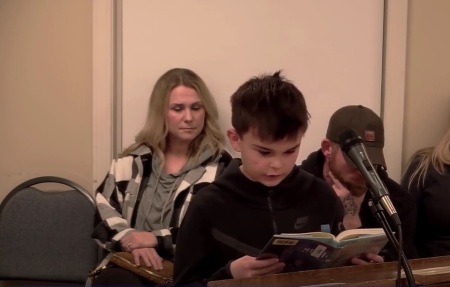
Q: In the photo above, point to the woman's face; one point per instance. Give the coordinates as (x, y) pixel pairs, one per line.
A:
(185, 116)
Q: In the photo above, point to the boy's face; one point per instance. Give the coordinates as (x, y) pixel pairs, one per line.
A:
(265, 162)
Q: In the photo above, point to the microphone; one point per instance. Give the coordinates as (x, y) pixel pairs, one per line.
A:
(353, 146)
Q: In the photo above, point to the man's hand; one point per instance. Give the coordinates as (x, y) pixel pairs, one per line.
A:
(149, 256)
(138, 239)
(350, 203)
(367, 258)
(248, 266)
(339, 188)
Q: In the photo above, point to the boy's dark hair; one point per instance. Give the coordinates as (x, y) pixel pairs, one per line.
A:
(270, 105)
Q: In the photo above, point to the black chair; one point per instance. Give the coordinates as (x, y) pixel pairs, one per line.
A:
(45, 236)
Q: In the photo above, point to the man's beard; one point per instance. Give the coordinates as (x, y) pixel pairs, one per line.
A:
(357, 188)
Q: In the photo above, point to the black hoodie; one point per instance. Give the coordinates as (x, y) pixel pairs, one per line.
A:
(235, 216)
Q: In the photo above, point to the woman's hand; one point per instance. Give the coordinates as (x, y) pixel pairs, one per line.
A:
(149, 256)
(248, 266)
(367, 258)
(138, 239)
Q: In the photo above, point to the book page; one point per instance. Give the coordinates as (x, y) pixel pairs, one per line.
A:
(324, 237)
(328, 237)
(360, 232)
(370, 244)
(308, 235)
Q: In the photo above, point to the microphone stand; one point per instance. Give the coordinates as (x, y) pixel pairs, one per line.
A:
(378, 212)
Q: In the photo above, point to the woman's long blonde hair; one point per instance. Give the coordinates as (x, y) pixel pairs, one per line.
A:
(436, 157)
(154, 133)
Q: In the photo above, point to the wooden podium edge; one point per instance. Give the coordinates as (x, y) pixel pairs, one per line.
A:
(433, 270)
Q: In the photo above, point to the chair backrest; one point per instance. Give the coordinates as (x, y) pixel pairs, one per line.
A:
(47, 235)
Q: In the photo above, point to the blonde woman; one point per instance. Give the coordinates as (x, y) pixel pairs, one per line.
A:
(143, 199)
(428, 180)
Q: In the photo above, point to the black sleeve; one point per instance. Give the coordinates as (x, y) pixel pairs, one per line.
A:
(407, 212)
(222, 273)
(194, 257)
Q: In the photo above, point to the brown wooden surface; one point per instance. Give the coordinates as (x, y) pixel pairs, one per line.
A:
(427, 271)
(161, 277)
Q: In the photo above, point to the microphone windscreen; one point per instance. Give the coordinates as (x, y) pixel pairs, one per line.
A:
(348, 138)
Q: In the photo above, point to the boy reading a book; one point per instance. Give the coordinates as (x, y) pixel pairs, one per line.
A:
(262, 194)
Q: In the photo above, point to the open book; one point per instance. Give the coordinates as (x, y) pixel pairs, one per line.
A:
(303, 251)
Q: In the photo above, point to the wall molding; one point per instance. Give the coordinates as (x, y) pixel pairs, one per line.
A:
(102, 87)
(394, 83)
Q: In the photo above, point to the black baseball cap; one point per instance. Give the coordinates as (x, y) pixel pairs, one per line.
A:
(366, 123)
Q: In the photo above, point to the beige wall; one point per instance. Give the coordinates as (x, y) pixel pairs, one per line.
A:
(46, 86)
(292, 37)
(427, 100)
(45, 91)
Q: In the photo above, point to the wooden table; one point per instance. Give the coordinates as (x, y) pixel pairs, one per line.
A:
(433, 271)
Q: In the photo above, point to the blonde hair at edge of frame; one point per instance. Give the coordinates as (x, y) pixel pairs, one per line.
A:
(437, 157)
(154, 134)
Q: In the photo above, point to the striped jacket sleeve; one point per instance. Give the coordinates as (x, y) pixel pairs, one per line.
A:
(111, 198)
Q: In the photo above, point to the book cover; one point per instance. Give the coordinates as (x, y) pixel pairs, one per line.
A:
(304, 251)
(159, 277)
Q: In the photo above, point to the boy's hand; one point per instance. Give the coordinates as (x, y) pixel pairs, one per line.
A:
(248, 266)
(367, 258)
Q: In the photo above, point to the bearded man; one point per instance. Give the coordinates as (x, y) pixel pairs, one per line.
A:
(332, 165)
